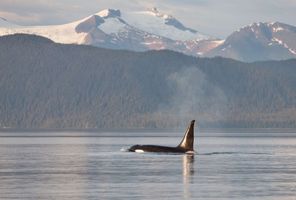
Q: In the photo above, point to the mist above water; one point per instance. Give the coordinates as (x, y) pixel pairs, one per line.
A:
(193, 96)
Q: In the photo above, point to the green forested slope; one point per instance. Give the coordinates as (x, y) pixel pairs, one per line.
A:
(49, 85)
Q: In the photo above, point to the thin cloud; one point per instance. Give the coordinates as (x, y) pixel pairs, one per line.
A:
(19, 19)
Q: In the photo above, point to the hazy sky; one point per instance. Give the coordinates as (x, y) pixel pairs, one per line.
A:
(214, 17)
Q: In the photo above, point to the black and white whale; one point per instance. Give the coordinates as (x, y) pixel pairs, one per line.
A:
(185, 146)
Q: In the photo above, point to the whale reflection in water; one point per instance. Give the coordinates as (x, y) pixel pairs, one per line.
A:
(188, 172)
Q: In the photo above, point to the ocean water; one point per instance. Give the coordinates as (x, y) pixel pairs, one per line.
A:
(65, 167)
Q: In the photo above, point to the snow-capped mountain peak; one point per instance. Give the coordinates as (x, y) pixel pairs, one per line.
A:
(153, 21)
(108, 13)
(89, 23)
(271, 26)
(259, 41)
(170, 20)
(116, 25)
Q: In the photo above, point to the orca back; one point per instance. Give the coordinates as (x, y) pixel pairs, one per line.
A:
(186, 145)
(188, 139)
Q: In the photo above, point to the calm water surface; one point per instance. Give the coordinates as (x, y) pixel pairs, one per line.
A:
(99, 168)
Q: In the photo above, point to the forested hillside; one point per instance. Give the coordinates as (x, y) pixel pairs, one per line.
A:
(49, 85)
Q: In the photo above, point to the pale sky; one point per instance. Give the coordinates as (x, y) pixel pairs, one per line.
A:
(217, 18)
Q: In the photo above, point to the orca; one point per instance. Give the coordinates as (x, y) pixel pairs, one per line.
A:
(185, 146)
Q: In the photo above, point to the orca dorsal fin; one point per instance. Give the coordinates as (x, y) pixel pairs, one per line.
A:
(188, 139)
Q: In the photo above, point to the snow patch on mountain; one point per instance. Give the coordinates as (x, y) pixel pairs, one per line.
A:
(112, 25)
(107, 13)
(59, 33)
(284, 45)
(152, 21)
(277, 29)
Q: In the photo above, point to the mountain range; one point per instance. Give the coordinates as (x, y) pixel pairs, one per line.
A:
(259, 41)
(153, 30)
(49, 85)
